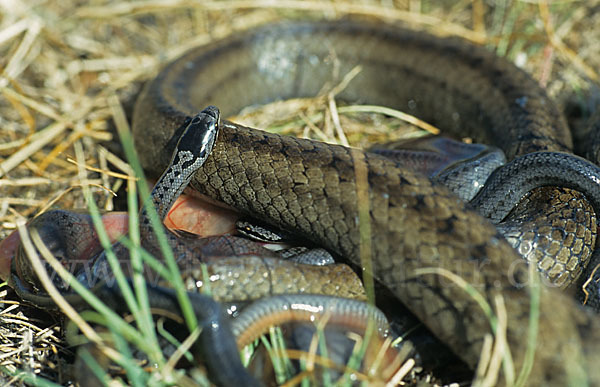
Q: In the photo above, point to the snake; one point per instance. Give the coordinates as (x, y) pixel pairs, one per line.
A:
(238, 270)
(418, 228)
(309, 188)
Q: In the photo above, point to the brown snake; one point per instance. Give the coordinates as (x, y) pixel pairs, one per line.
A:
(310, 188)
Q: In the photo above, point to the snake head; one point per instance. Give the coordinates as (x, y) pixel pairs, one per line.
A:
(69, 236)
(66, 235)
(198, 138)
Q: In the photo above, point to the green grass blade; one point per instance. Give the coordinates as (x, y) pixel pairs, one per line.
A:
(128, 147)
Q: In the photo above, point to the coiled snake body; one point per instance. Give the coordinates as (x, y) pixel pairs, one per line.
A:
(310, 188)
(418, 232)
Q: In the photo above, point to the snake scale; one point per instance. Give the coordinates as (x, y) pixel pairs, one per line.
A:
(309, 188)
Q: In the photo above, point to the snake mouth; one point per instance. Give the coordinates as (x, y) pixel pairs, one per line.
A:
(8, 251)
(204, 219)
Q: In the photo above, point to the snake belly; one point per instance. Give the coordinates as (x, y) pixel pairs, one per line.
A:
(309, 188)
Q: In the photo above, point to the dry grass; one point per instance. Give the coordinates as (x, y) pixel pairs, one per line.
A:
(61, 61)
